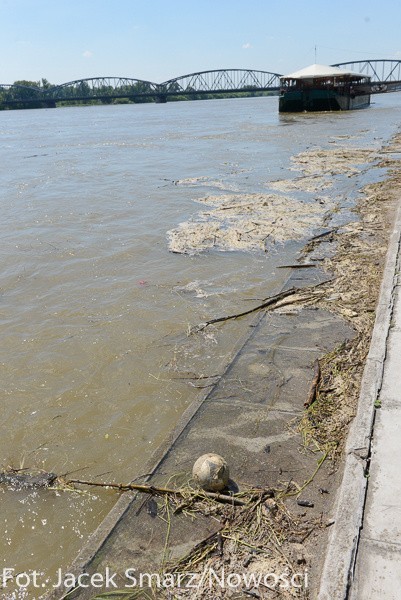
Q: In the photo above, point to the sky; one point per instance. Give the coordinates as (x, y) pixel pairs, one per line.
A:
(157, 40)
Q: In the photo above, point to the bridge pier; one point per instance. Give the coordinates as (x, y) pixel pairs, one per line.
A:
(161, 98)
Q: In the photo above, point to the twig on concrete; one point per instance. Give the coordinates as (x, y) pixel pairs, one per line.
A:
(151, 489)
(297, 266)
(269, 303)
(315, 382)
(320, 235)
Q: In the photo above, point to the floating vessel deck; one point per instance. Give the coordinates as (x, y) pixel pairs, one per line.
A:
(323, 88)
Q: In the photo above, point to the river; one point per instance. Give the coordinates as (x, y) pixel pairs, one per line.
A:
(97, 366)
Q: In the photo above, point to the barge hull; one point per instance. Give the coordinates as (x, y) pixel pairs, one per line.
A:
(321, 100)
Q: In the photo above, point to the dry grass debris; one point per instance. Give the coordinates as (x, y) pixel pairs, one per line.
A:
(357, 269)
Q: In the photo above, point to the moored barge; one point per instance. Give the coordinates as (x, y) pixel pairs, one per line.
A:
(323, 88)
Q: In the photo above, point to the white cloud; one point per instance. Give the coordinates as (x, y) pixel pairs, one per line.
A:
(246, 46)
(87, 54)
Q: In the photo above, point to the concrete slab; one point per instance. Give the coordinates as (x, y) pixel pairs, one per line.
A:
(259, 444)
(359, 437)
(308, 276)
(378, 573)
(343, 542)
(382, 520)
(272, 385)
(391, 387)
(277, 367)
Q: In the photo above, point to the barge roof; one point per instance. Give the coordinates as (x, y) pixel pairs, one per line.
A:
(318, 71)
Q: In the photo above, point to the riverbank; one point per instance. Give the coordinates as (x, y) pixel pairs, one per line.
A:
(255, 417)
(362, 559)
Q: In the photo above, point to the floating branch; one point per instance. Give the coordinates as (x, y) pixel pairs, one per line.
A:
(269, 303)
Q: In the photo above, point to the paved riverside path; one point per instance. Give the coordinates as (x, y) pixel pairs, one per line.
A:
(363, 557)
(378, 562)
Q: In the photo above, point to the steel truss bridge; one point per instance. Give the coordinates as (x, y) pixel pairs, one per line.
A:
(385, 76)
(107, 89)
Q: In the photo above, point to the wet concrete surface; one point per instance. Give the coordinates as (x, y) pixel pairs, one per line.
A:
(249, 416)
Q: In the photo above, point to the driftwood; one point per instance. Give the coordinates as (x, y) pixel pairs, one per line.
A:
(17, 480)
(154, 490)
(297, 266)
(315, 382)
(269, 303)
(320, 235)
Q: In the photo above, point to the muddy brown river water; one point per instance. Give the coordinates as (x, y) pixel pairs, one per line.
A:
(123, 226)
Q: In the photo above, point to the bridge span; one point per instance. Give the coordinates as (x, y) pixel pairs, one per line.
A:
(107, 89)
(385, 74)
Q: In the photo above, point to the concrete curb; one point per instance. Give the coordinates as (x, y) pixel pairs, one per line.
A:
(342, 547)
